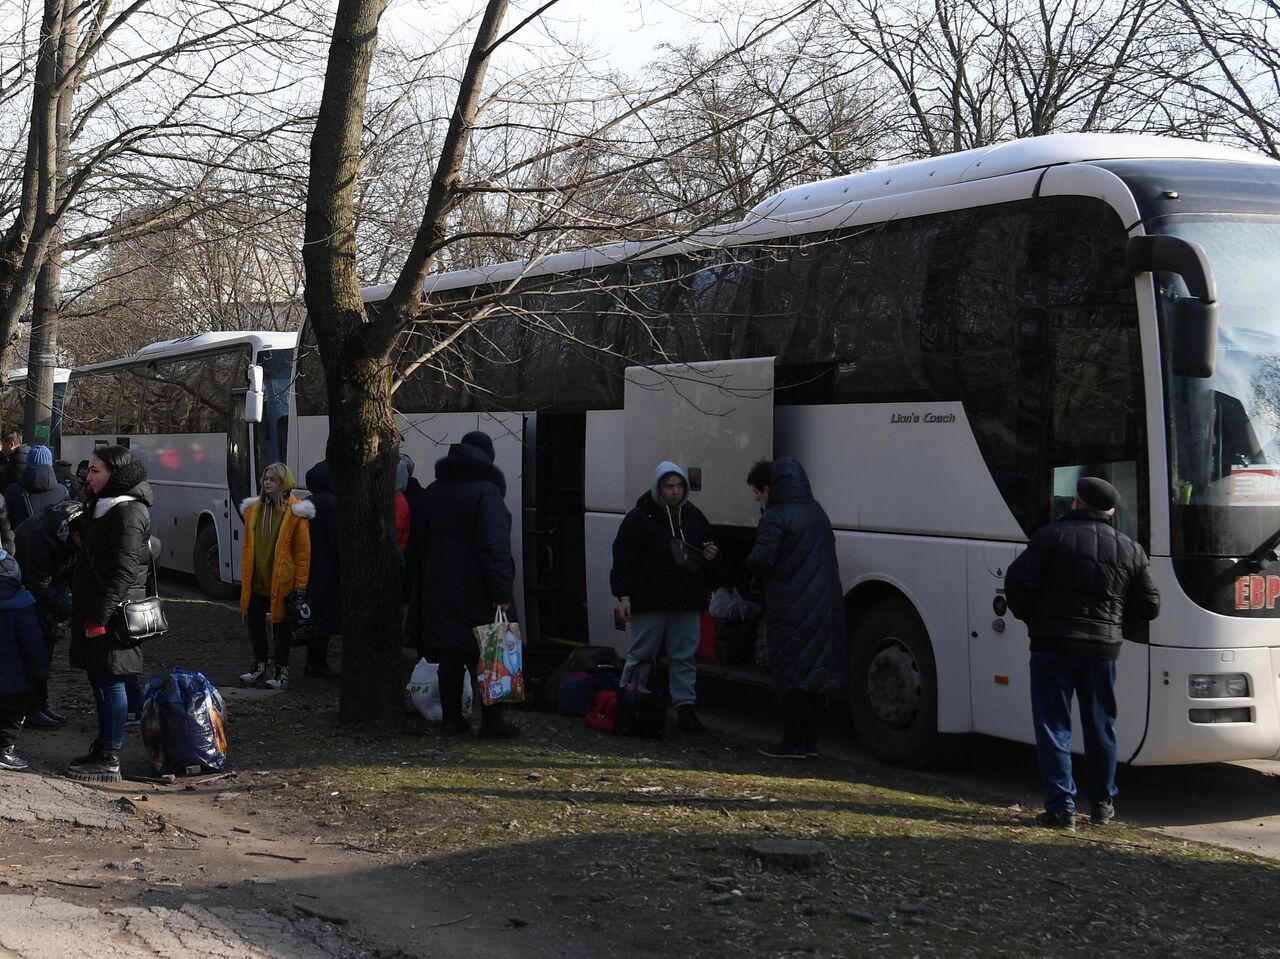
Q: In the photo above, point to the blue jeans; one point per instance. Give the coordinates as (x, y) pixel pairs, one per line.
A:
(1054, 677)
(681, 628)
(113, 708)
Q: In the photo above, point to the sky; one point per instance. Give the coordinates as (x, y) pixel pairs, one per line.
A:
(624, 33)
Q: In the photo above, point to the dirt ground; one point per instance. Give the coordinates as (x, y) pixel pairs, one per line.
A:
(392, 841)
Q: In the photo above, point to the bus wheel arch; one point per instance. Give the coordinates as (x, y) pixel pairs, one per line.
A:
(893, 678)
(207, 561)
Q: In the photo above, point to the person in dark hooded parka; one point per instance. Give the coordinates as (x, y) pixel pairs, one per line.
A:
(467, 572)
(795, 553)
(47, 543)
(36, 487)
(323, 582)
(112, 566)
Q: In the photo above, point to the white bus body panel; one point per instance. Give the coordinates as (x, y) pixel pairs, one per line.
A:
(605, 488)
(170, 458)
(601, 529)
(714, 419)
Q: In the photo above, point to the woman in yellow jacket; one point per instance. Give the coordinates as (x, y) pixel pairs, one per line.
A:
(275, 562)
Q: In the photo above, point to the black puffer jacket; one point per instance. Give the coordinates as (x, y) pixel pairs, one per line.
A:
(644, 567)
(47, 560)
(323, 581)
(113, 564)
(795, 552)
(39, 485)
(1081, 586)
(468, 566)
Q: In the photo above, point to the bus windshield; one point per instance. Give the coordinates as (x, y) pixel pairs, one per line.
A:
(1224, 431)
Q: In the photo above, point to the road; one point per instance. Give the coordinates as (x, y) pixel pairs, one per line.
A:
(1232, 804)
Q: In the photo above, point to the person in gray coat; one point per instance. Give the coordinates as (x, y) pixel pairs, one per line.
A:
(795, 554)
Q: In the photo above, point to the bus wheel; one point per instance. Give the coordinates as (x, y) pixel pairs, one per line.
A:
(893, 686)
(206, 564)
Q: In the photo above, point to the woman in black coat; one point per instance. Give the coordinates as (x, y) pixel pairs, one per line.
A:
(112, 566)
(323, 582)
(795, 553)
(468, 572)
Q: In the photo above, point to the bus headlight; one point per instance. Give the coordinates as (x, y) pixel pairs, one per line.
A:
(1218, 685)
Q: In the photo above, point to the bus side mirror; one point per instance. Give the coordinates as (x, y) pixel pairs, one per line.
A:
(253, 406)
(1195, 318)
(255, 379)
(1195, 337)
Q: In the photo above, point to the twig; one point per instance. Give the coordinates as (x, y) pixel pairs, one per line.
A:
(194, 832)
(451, 922)
(1068, 885)
(77, 885)
(316, 914)
(276, 855)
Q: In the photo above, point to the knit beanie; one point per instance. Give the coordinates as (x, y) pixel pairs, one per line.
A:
(480, 440)
(40, 455)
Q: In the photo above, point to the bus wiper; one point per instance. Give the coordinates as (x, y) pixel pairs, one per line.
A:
(1266, 554)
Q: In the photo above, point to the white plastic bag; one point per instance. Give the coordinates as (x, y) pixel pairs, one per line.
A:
(729, 604)
(424, 690)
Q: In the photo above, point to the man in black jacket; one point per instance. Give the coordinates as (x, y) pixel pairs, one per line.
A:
(1081, 586)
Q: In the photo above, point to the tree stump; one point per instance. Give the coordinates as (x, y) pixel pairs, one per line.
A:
(790, 855)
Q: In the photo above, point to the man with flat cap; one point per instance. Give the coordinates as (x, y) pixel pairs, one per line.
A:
(1081, 586)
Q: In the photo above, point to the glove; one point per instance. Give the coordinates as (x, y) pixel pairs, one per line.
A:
(93, 630)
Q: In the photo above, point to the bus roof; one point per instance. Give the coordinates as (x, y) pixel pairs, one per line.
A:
(263, 339)
(809, 200)
(19, 374)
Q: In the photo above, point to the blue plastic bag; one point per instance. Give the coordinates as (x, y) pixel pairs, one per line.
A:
(184, 724)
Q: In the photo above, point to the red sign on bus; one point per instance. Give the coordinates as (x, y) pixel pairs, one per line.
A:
(1257, 591)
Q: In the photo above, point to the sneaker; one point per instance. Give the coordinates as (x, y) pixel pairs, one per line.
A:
(58, 718)
(1102, 813)
(254, 675)
(280, 680)
(687, 721)
(1057, 820)
(100, 766)
(782, 750)
(9, 759)
(39, 719)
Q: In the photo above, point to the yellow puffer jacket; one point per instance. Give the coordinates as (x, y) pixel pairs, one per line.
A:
(292, 565)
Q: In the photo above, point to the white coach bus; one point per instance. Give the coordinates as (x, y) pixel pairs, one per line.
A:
(15, 399)
(204, 414)
(947, 346)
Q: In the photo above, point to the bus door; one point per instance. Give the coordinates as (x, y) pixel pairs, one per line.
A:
(554, 506)
(999, 680)
(715, 419)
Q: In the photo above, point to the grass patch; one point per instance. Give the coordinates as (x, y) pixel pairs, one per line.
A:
(631, 847)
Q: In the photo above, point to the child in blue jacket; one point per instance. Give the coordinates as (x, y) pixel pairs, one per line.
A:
(23, 659)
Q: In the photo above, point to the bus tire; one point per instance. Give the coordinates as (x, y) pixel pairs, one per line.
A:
(893, 686)
(206, 564)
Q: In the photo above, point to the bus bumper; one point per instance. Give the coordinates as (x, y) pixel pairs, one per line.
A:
(1211, 726)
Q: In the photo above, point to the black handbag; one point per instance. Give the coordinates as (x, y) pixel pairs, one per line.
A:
(687, 558)
(137, 620)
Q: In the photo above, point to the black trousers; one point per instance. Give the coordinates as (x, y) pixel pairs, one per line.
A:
(802, 715)
(318, 648)
(454, 664)
(281, 633)
(13, 710)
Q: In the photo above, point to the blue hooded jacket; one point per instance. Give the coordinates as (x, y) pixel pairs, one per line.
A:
(23, 656)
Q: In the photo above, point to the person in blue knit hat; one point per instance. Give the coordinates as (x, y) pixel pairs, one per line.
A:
(35, 488)
(23, 659)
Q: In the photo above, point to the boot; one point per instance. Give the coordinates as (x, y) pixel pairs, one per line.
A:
(494, 725)
(102, 765)
(687, 721)
(41, 719)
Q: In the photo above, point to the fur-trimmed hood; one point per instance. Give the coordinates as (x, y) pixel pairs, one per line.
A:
(465, 464)
(298, 507)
